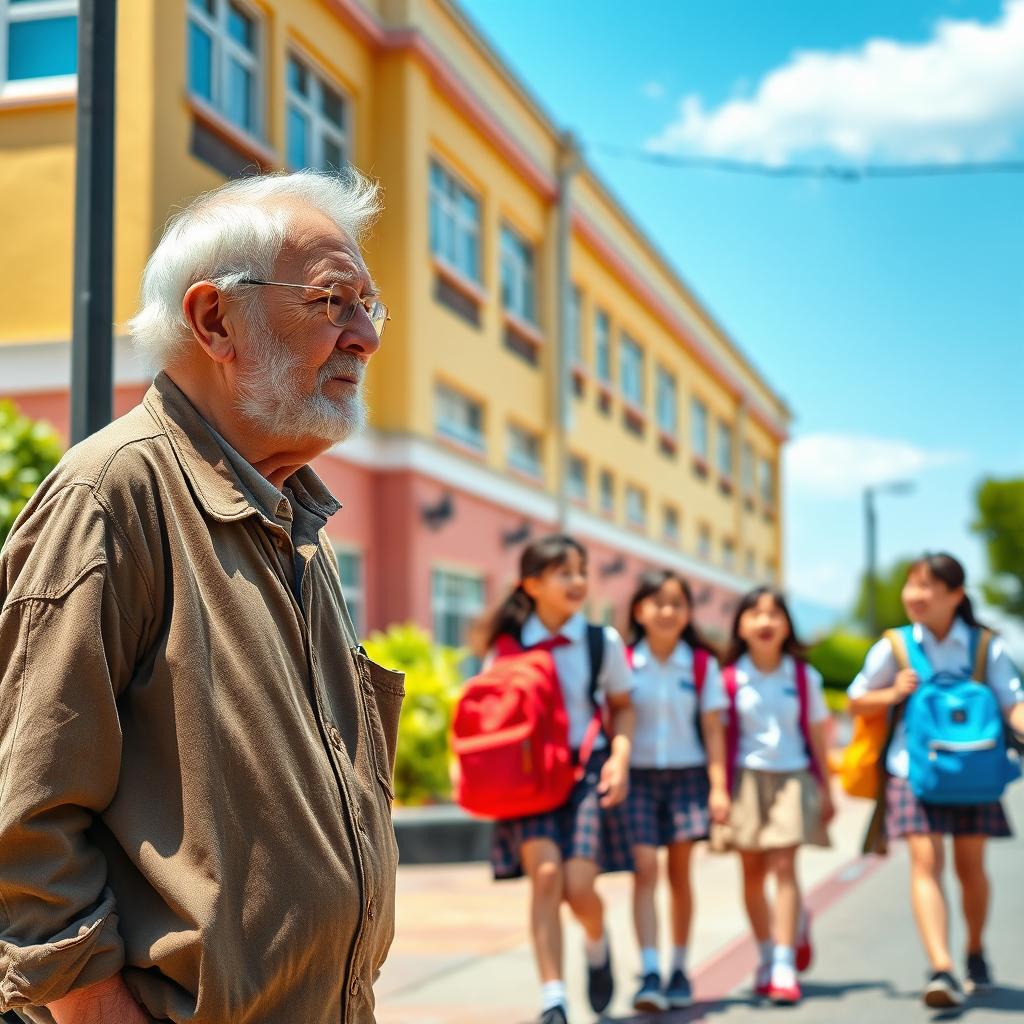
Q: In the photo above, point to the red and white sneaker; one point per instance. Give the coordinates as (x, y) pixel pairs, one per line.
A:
(804, 948)
(763, 981)
(785, 995)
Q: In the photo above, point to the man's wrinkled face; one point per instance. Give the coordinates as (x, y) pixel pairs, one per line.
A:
(300, 376)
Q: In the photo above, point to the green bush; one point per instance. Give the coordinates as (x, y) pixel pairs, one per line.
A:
(28, 451)
(432, 685)
(839, 657)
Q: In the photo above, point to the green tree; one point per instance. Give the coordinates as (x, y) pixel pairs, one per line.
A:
(1001, 523)
(28, 451)
(888, 602)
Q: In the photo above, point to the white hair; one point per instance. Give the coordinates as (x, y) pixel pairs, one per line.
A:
(234, 232)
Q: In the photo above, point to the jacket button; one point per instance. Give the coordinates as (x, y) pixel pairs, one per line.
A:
(354, 987)
(334, 737)
(369, 908)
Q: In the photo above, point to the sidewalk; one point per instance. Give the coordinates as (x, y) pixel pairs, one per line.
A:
(461, 953)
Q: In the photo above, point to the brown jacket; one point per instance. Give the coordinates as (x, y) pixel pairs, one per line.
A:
(195, 766)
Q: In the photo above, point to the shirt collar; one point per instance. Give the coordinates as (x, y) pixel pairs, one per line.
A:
(214, 476)
(534, 631)
(959, 634)
(746, 666)
(681, 657)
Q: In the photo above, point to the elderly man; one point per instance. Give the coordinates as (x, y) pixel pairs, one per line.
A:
(195, 753)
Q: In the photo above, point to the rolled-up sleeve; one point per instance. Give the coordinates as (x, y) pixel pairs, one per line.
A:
(68, 644)
(879, 671)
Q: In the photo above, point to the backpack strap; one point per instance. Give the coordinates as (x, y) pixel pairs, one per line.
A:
(916, 658)
(803, 696)
(595, 650)
(700, 671)
(982, 643)
(630, 652)
(732, 728)
(899, 648)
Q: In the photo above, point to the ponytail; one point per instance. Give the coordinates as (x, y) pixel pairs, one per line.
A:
(510, 617)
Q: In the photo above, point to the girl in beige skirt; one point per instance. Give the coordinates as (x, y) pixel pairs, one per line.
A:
(780, 796)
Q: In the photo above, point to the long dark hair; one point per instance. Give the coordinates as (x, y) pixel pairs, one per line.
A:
(649, 584)
(946, 569)
(543, 554)
(737, 646)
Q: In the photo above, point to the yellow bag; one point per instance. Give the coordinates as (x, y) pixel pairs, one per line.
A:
(860, 770)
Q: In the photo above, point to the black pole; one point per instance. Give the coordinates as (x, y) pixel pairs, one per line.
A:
(92, 356)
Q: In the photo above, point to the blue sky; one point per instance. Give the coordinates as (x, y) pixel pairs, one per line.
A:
(889, 314)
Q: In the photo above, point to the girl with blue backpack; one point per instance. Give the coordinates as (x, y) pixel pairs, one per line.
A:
(949, 690)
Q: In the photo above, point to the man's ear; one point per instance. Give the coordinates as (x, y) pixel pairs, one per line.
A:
(206, 314)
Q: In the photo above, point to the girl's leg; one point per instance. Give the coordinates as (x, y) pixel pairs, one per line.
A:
(582, 897)
(754, 868)
(645, 883)
(682, 898)
(927, 859)
(542, 862)
(782, 864)
(969, 860)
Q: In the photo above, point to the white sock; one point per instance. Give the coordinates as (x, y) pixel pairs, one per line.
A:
(649, 960)
(784, 967)
(679, 958)
(784, 956)
(765, 951)
(597, 951)
(552, 994)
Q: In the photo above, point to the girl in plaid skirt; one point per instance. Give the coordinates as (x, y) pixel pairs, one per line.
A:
(944, 624)
(563, 851)
(677, 775)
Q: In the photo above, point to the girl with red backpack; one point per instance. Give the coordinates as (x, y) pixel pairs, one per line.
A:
(777, 761)
(677, 780)
(563, 850)
(954, 646)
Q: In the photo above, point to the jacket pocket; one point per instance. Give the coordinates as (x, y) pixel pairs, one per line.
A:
(383, 693)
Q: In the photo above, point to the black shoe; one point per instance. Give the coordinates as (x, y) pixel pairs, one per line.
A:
(943, 991)
(555, 1015)
(650, 998)
(977, 978)
(600, 986)
(678, 991)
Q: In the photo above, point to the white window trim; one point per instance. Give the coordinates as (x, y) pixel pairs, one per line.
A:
(463, 225)
(629, 348)
(641, 505)
(513, 255)
(701, 439)
(455, 431)
(522, 463)
(466, 610)
(359, 593)
(223, 48)
(320, 126)
(42, 10)
(601, 315)
(666, 388)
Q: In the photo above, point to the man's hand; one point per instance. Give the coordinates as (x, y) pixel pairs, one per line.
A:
(906, 683)
(107, 1002)
(614, 784)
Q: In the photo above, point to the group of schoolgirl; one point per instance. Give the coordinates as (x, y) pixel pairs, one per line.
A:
(593, 755)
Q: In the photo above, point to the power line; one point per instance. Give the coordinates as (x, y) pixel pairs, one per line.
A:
(846, 173)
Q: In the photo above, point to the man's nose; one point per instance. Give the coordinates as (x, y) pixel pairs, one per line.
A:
(359, 336)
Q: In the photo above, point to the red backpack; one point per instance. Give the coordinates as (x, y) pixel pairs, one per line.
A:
(510, 732)
(732, 732)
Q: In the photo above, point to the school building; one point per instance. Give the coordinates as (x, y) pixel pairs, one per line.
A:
(647, 433)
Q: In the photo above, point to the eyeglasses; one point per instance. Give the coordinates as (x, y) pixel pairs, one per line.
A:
(340, 311)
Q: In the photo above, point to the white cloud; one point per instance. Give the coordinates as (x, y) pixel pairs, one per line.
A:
(842, 465)
(654, 90)
(957, 96)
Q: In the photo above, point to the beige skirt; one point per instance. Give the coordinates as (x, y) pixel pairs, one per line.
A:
(772, 811)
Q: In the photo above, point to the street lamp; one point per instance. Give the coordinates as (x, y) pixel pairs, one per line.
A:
(871, 538)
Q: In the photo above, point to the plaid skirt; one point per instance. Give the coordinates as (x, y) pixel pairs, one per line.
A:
(668, 805)
(581, 827)
(905, 815)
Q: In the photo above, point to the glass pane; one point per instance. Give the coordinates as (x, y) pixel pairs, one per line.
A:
(471, 259)
(200, 62)
(332, 106)
(334, 157)
(298, 142)
(241, 27)
(43, 48)
(298, 77)
(239, 99)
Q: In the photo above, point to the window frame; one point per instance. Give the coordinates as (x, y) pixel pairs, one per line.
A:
(449, 207)
(455, 432)
(630, 348)
(637, 522)
(41, 10)
(319, 125)
(529, 466)
(580, 493)
(359, 590)
(223, 48)
(517, 254)
(725, 448)
(604, 369)
(666, 379)
(699, 428)
(607, 508)
(466, 612)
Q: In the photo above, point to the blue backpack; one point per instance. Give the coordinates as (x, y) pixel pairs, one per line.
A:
(956, 737)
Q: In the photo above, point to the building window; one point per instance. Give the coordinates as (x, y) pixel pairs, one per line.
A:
(524, 452)
(454, 223)
(667, 408)
(457, 601)
(636, 507)
(728, 555)
(350, 568)
(459, 418)
(576, 480)
(747, 469)
(767, 484)
(704, 542)
(607, 487)
(518, 284)
(603, 347)
(224, 60)
(631, 369)
(40, 42)
(725, 451)
(670, 525)
(576, 328)
(699, 429)
(317, 120)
